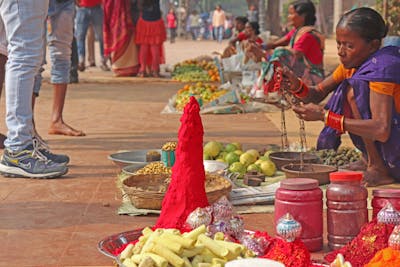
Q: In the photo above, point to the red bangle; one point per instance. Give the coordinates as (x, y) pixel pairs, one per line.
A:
(335, 121)
(303, 92)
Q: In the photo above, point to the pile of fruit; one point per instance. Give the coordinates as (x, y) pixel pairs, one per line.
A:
(195, 70)
(239, 161)
(204, 93)
(341, 157)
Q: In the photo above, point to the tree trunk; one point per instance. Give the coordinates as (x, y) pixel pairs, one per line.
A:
(273, 20)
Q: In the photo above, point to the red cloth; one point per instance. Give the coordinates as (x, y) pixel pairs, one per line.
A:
(309, 45)
(91, 3)
(186, 191)
(150, 32)
(117, 28)
(171, 21)
(242, 36)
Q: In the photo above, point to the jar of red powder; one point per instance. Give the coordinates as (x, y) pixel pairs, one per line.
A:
(302, 198)
(380, 198)
(347, 207)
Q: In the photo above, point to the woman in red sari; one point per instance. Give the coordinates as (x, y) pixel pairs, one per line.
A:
(119, 36)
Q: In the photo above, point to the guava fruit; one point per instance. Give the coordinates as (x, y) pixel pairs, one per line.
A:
(246, 159)
(238, 167)
(212, 148)
(268, 168)
(231, 157)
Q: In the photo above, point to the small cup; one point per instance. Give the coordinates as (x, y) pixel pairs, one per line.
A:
(168, 157)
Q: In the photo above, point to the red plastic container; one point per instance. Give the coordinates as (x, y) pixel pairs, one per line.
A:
(347, 207)
(302, 198)
(381, 196)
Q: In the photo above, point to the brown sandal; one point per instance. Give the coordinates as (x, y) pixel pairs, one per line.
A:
(141, 74)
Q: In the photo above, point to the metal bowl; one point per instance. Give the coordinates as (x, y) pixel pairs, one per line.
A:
(281, 158)
(318, 172)
(214, 166)
(123, 159)
(132, 168)
(109, 244)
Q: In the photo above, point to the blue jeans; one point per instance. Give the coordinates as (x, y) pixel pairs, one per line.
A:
(60, 32)
(23, 21)
(84, 17)
(219, 33)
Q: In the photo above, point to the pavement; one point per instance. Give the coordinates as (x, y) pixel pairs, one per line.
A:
(59, 222)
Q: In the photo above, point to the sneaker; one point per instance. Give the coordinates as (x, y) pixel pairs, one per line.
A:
(43, 147)
(30, 163)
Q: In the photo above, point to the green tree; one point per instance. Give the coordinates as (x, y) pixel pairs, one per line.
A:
(392, 16)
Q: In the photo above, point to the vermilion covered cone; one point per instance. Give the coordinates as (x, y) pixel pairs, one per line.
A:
(186, 191)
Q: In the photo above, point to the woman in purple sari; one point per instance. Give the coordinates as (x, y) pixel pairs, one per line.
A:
(365, 100)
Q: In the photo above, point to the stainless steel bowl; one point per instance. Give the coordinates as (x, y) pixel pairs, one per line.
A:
(109, 244)
(123, 159)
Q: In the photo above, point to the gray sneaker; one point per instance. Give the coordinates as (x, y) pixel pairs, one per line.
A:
(30, 163)
(42, 146)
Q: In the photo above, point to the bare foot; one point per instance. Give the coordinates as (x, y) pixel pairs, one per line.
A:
(359, 165)
(376, 177)
(64, 129)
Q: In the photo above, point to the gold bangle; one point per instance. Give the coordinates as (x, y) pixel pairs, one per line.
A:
(342, 124)
(326, 117)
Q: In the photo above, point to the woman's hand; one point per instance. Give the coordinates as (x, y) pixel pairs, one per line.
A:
(309, 112)
(290, 82)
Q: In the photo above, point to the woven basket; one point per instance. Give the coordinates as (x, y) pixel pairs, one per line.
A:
(147, 191)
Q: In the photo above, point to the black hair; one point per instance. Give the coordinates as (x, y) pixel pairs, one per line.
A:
(242, 19)
(367, 22)
(306, 8)
(255, 26)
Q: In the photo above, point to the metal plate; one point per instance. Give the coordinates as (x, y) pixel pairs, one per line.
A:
(126, 158)
(109, 244)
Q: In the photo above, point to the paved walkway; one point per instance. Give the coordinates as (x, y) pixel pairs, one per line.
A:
(59, 222)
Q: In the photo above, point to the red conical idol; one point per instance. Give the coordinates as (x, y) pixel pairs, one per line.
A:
(186, 191)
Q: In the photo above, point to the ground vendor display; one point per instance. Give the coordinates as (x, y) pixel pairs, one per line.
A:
(191, 231)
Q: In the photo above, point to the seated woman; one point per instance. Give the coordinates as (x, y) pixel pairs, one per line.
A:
(305, 55)
(366, 96)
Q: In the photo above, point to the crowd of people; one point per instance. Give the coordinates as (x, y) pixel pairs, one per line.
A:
(364, 88)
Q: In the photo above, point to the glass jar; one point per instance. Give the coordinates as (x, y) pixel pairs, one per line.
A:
(346, 201)
(381, 196)
(302, 198)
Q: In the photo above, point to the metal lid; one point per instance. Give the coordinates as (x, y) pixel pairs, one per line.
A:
(299, 183)
(394, 193)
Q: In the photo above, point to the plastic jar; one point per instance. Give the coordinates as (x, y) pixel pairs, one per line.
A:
(347, 207)
(302, 198)
(381, 196)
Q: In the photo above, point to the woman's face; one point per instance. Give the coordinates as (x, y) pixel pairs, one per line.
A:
(249, 30)
(352, 49)
(294, 18)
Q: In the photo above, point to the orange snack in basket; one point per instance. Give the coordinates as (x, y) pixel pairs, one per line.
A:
(186, 192)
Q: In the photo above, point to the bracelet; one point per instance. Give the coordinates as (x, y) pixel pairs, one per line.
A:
(300, 87)
(319, 87)
(303, 91)
(335, 121)
(326, 116)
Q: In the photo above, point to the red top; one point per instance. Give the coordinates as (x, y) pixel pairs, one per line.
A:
(242, 36)
(309, 45)
(345, 176)
(171, 21)
(89, 3)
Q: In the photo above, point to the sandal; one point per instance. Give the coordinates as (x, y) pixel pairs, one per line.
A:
(141, 74)
(156, 74)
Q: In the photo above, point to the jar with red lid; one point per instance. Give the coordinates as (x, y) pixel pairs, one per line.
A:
(381, 196)
(346, 207)
(302, 198)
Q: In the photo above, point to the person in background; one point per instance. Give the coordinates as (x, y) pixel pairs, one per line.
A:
(251, 33)
(194, 25)
(150, 35)
(60, 28)
(171, 25)
(240, 23)
(89, 12)
(120, 18)
(218, 22)
(252, 14)
(24, 26)
(306, 45)
(3, 61)
(90, 40)
(365, 99)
